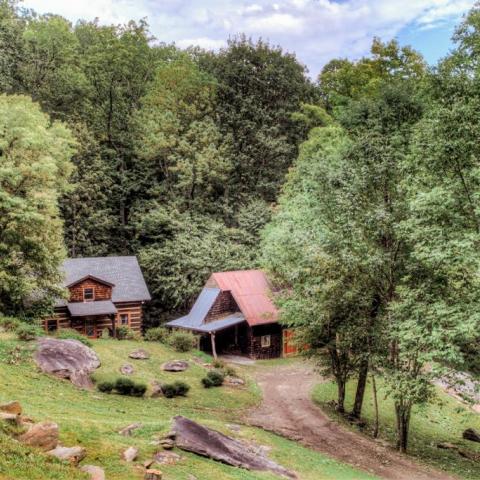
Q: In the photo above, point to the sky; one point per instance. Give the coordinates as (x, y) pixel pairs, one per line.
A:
(315, 30)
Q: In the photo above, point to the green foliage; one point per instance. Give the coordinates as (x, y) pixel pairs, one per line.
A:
(72, 334)
(34, 168)
(175, 389)
(9, 324)
(126, 333)
(181, 341)
(106, 386)
(105, 334)
(27, 332)
(124, 386)
(214, 378)
(157, 334)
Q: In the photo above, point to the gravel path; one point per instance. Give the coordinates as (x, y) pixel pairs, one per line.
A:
(288, 411)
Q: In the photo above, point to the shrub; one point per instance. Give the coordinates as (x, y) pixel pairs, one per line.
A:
(71, 334)
(181, 341)
(126, 333)
(182, 388)
(214, 378)
(218, 363)
(124, 386)
(9, 324)
(230, 372)
(176, 389)
(157, 334)
(106, 387)
(28, 332)
(138, 390)
(105, 334)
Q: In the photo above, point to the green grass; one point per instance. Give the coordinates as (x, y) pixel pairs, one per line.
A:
(92, 419)
(442, 421)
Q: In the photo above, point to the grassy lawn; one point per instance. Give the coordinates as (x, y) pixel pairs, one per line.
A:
(443, 421)
(92, 419)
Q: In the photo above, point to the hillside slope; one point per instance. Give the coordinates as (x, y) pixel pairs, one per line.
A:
(92, 419)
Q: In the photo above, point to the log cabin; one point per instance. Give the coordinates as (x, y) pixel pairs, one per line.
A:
(102, 293)
(234, 314)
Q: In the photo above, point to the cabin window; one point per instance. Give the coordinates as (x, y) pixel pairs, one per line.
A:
(124, 320)
(88, 294)
(265, 341)
(52, 325)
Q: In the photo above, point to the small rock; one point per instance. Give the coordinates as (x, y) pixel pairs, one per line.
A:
(153, 475)
(233, 427)
(10, 417)
(167, 443)
(127, 369)
(192, 477)
(130, 454)
(156, 390)
(11, 407)
(96, 473)
(43, 435)
(73, 455)
(472, 435)
(127, 431)
(447, 446)
(234, 381)
(148, 463)
(140, 354)
(175, 366)
(167, 458)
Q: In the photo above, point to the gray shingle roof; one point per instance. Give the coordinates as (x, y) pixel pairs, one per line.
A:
(81, 309)
(214, 326)
(123, 272)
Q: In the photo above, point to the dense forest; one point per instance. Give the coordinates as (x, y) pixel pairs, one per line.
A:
(359, 191)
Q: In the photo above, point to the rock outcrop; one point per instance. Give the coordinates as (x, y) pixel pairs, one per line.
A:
(42, 435)
(13, 407)
(472, 435)
(73, 455)
(127, 431)
(193, 437)
(175, 366)
(130, 454)
(127, 369)
(96, 473)
(69, 359)
(140, 354)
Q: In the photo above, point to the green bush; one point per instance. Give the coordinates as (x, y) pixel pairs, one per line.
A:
(124, 386)
(176, 389)
(106, 387)
(27, 332)
(181, 341)
(214, 378)
(217, 363)
(71, 334)
(126, 333)
(105, 334)
(157, 334)
(138, 390)
(9, 324)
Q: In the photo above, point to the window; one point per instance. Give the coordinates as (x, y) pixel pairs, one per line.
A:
(265, 341)
(52, 325)
(124, 319)
(88, 294)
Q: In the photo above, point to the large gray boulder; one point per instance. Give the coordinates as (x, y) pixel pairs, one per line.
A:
(175, 366)
(69, 359)
(193, 437)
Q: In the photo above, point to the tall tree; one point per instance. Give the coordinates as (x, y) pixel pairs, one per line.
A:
(34, 169)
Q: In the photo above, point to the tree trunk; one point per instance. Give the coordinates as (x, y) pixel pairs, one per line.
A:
(360, 393)
(375, 404)
(341, 384)
(403, 425)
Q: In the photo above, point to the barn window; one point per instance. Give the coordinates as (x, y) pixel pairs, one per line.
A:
(88, 294)
(124, 319)
(265, 341)
(52, 325)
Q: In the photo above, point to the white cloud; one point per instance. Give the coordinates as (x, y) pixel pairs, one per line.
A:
(317, 30)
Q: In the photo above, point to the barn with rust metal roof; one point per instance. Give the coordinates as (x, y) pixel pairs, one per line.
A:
(235, 314)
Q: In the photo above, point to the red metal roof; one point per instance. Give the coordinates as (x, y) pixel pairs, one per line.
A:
(251, 290)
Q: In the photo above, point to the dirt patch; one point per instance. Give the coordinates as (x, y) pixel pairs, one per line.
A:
(288, 410)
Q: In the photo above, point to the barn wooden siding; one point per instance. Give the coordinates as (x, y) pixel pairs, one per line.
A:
(255, 349)
(223, 305)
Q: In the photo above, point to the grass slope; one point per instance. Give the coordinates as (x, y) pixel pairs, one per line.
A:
(443, 421)
(92, 419)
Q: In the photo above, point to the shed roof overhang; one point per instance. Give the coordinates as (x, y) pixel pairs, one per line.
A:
(208, 327)
(85, 309)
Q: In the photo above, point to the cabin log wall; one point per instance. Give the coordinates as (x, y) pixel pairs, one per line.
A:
(102, 291)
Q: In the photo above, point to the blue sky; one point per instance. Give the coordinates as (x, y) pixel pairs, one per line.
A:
(316, 30)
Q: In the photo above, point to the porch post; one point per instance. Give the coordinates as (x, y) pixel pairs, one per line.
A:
(114, 330)
(214, 350)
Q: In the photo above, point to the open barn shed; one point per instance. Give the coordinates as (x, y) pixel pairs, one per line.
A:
(235, 314)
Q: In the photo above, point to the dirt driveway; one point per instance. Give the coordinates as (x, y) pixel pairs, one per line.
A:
(288, 411)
